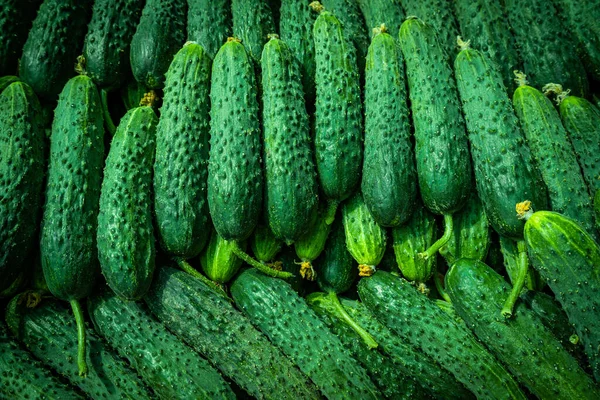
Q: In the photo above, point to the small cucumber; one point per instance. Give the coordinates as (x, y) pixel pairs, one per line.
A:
(218, 260)
(336, 268)
(310, 245)
(264, 244)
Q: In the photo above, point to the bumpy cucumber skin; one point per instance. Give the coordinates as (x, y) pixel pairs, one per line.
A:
(5, 81)
(471, 235)
(181, 163)
(310, 245)
(209, 23)
(504, 170)
(252, 23)
(264, 244)
(158, 37)
(581, 119)
(16, 17)
(419, 321)
(523, 343)
(413, 237)
(218, 261)
(290, 176)
(106, 46)
(568, 259)
(388, 175)
(68, 248)
(53, 44)
(336, 269)
(125, 231)
(21, 177)
(284, 317)
(235, 181)
(547, 48)
(23, 377)
(167, 365)
(484, 24)
(554, 156)
(338, 130)
(378, 12)
(210, 325)
(441, 146)
(49, 332)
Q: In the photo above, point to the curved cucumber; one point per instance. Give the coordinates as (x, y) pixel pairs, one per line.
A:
(209, 24)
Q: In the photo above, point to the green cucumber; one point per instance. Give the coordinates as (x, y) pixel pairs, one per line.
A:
(132, 93)
(524, 344)
(547, 48)
(290, 179)
(218, 260)
(5, 81)
(53, 44)
(16, 17)
(264, 244)
(180, 165)
(310, 245)
(49, 333)
(568, 259)
(421, 323)
(441, 146)
(125, 231)
(484, 24)
(336, 268)
(283, 317)
(252, 23)
(338, 116)
(213, 327)
(21, 177)
(382, 12)
(159, 35)
(388, 175)
(106, 46)
(167, 365)
(209, 23)
(510, 256)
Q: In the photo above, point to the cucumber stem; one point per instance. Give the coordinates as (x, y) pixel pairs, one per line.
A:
(187, 268)
(440, 287)
(81, 362)
(110, 125)
(237, 250)
(366, 336)
(441, 242)
(332, 206)
(523, 268)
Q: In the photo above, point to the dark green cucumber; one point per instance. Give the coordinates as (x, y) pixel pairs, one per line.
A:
(568, 259)
(168, 366)
(335, 268)
(53, 44)
(106, 46)
(218, 259)
(212, 326)
(290, 178)
(338, 130)
(273, 306)
(264, 244)
(49, 333)
(547, 48)
(524, 344)
(422, 324)
(554, 155)
(441, 146)
(21, 177)
(132, 93)
(159, 35)
(16, 17)
(310, 245)
(209, 23)
(485, 25)
(510, 256)
(180, 166)
(125, 231)
(388, 175)
(252, 23)
(23, 377)
(5, 81)
(378, 12)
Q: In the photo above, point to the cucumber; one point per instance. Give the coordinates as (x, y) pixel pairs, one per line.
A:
(264, 244)
(106, 45)
(554, 155)
(252, 23)
(16, 17)
(21, 177)
(568, 259)
(283, 317)
(53, 44)
(49, 333)
(338, 116)
(524, 344)
(335, 268)
(310, 245)
(5, 81)
(132, 93)
(422, 324)
(158, 36)
(180, 166)
(167, 365)
(485, 25)
(210, 325)
(218, 259)
(388, 175)
(378, 12)
(209, 24)
(290, 177)
(441, 146)
(125, 232)
(510, 256)
(23, 377)
(547, 48)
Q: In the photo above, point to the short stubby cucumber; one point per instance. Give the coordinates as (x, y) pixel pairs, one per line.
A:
(336, 268)
(125, 231)
(218, 260)
(378, 12)
(16, 17)
(310, 245)
(264, 244)
(388, 175)
(252, 23)
(209, 24)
